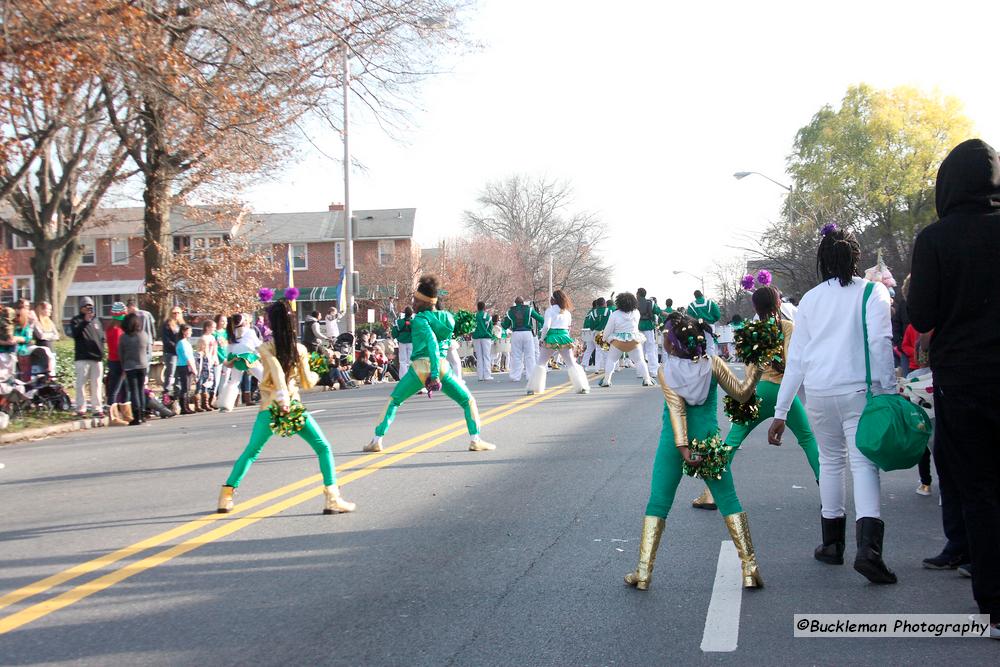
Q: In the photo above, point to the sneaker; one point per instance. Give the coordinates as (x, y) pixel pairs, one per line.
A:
(965, 570)
(481, 446)
(374, 446)
(943, 562)
(924, 490)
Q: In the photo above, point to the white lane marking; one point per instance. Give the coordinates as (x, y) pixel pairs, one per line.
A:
(316, 412)
(722, 623)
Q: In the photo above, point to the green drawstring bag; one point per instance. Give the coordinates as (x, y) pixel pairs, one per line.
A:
(893, 432)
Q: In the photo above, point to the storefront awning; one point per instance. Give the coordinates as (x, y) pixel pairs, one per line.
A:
(330, 293)
(105, 287)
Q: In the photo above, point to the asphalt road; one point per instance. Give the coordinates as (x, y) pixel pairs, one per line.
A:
(110, 553)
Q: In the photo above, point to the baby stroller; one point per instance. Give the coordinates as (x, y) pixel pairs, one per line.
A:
(344, 344)
(47, 394)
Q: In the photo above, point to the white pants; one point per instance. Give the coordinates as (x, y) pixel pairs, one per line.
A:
(588, 350)
(577, 376)
(405, 350)
(92, 373)
(651, 353)
(522, 354)
(635, 355)
(231, 386)
(455, 362)
(484, 357)
(834, 421)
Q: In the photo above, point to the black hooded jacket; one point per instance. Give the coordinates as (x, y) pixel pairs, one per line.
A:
(955, 272)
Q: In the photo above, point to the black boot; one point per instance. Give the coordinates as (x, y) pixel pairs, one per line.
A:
(832, 549)
(868, 560)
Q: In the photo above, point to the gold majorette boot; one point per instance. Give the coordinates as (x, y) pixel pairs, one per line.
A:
(226, 500)
(705, 501)
(652, 531)
(739, 530)
(334, 503)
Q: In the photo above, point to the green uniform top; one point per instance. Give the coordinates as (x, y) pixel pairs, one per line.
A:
(402, 330)
(588, 320)
(648, 314)
(663, 314)
(706, 309)
(601, 316)
(520, 318)
(222, 337)
(432, 331)
(484, 325)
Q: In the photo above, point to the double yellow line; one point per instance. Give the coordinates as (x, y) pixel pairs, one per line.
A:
(374, 463)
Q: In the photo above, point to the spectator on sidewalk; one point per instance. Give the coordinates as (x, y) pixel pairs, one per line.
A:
(147, 325)
(169, 335)
(185, 368)
(955, 292)
(88, 357)
(46, 331)
(313, 335)
(116, 376)
(132, 351)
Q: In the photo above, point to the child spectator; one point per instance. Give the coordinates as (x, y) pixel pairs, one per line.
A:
(185, 367)
(208, 367)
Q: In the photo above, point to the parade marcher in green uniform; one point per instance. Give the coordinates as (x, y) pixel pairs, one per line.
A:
(402, 331)
(649, 314)
(689, 380)
(587, 335)
(707, 311)
(429, 369)
(523, 347)
(482, 342)
(601, 314)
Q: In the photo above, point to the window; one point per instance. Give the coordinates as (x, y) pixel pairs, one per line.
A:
(300, 256)
(18, 287)
(338, 255)
(89, 256)
(386, 252)
(20, 243)
(119, 251)
(182, 245)
(104, 303)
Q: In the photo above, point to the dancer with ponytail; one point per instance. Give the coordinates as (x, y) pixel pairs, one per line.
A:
(689, 380)
(767, 302)
(241, 360)
(622, 332)
(429, 368)
(556, 340)
(285, 370)
(827, 356)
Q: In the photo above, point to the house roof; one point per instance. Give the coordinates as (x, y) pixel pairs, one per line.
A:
(127, 222)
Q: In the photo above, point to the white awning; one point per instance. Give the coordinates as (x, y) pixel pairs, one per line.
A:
(103, 287)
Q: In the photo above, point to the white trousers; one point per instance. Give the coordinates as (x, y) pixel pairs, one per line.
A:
(455, 362)
(405, 350)
(651, 353)
(92, 373)
(590, 349)
(484, 357)
(522, 354)
(577, 376)
(231, 387)
(635, 355)
(834, 421)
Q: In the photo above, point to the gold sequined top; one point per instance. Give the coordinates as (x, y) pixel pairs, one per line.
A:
(770, 374)
(274, 386)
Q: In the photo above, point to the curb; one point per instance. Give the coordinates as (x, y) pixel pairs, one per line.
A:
(55, 429)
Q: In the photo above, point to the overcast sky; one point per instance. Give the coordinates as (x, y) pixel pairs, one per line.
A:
(647, 108)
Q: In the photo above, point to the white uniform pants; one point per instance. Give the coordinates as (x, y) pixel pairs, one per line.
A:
(484, 357)
(834, 421)
(92, 373)
(405, 350)
(455, 362)
(635, 355)
(577, 376)
(651, 354)
(522, 354)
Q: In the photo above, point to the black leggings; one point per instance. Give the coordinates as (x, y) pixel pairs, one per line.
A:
(924, 467)
(136, 380)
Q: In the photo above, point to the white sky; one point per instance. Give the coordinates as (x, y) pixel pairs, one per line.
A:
(648, 108)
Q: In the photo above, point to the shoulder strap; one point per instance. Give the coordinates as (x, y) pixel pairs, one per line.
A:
(869, 288)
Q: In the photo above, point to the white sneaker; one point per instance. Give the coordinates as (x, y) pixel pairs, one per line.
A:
(481, 446)
(374, 446)
(924, 490)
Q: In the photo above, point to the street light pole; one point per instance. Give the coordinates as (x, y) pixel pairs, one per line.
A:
(348, 231)
(699, 278)
(791, 190)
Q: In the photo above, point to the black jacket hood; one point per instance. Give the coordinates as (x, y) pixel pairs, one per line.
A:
(968, 180)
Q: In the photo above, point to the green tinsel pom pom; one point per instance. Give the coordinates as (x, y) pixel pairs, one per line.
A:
(318, 363)
(714, 455)
(465, 323)
(760, 342)
(287, 425)
(742, 413)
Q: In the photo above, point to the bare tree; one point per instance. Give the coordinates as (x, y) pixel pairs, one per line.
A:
(534, 217)
(726, 275)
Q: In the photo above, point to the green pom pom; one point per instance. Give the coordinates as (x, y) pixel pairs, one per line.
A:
(465, 323)
(714, 458)
(287, 425)
(759, 342)
(318, 363)
(742, 413)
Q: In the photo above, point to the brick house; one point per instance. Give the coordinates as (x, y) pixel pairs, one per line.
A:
(112, 268)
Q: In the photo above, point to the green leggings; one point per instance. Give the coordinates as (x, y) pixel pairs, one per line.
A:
(261, 433)
(797, 421)
(411, 383)
(667, 473)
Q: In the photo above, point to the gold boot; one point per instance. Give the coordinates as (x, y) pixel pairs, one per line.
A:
(226, 500)
(739, 530)
(334, 503)
(652, 531)
(705, 501)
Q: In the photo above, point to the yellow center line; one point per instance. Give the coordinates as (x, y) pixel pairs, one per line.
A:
(38, 610)
(110, 558)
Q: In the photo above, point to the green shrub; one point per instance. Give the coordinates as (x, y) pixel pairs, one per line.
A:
(65, 369)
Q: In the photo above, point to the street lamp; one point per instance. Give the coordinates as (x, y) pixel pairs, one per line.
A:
(348, 232)
(791, 208)
(699, 278)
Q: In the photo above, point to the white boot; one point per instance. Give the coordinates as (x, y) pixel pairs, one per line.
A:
(536, 381)
(227, 397)
(578, 377)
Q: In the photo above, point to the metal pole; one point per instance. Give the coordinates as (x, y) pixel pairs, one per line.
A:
(550, 275)
(348, 232)
(791, 204)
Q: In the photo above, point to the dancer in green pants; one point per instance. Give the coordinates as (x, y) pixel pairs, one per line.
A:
(432, 332)
(689, 380)
(767, 303)
(285, 370)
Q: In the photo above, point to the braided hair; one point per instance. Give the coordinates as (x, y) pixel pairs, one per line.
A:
(838, 256)
(767, 302)
(284, 325)
(687, 336)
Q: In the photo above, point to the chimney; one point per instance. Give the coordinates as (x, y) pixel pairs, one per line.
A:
(336, 207)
